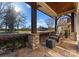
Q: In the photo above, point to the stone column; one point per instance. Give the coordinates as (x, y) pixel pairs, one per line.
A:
(33, 41)
(73, 33)
(77, 25)
(34, 37)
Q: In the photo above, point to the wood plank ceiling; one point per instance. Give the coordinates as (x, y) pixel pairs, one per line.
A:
(56, 8)
(60, 7)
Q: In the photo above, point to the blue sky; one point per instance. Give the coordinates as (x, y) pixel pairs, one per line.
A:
(26, 9)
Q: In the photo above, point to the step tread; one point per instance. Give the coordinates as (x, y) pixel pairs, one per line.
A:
(53, 53)
(69, 45)
(70, 42)
(65, 51)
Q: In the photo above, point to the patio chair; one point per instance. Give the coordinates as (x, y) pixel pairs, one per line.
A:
(53, 39)
(55, 36)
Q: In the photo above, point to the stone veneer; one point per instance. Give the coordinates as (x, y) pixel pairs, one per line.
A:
(73, 36)
(33, 41)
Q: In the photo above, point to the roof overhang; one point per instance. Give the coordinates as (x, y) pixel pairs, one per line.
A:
(56, 9)
(51, 9)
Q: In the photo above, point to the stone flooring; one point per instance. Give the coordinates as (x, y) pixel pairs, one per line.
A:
(67, 48)
(26, 52)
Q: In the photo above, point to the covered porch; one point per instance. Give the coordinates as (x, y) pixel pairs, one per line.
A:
(36, 39)
(56, 10)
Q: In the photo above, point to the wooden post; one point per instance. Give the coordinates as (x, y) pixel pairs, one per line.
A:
(72, 22)
(56, 24)
(34, 17)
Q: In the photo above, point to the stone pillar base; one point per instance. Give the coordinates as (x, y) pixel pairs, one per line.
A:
(34, 41)
(78, 41)
(73, 36)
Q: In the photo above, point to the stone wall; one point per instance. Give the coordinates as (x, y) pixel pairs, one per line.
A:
(44, 36)
(33, 41)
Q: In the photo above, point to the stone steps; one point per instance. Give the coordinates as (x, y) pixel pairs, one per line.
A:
(54, 54)
(70, 42)
(69, 46)
(65, 52)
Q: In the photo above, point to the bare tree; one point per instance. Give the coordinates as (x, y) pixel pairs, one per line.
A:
(2, 12)
(20, 21)
(12, 18)
(49, 23)
(9, 17)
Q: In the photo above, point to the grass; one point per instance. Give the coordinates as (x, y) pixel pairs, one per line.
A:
(3, 32)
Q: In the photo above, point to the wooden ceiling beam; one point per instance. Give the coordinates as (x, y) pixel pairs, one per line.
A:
(46, 9)
(63, 13)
